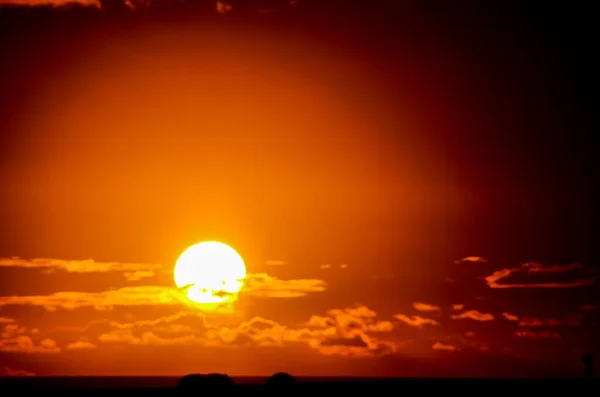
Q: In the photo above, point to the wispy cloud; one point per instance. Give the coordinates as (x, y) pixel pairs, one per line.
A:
(415, 321)
(265, 286)
(81, 344)
(535, 275)
(471, 259)
(510, 317)
(473, 315)
(327, 266)
(536, 322)
(275, 263)
(7, 371)
(127, 296)
(132, 271)
(139, 275)
(538, 335)
(425, 307)
(257, 285)
(56, 3)
(444, 347)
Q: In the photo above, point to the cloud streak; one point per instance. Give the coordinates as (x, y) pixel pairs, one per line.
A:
(106, 300)
(473, 315)
(444, 347)
(258, 285)
(538, 335)
(55, 3)
(425, 307)
(535, 275)
(472, 259)
(275, 263)
(7, 371)
(536, 322)
(510, 316)
(81, 345)
(264, 286)
(132, 271)
(415, 321)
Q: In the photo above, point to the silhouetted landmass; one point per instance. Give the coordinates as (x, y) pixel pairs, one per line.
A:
(588, 362)
(281, 382)
(209, 383)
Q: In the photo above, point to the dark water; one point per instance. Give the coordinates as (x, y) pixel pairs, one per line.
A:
(340, 383)
(116, 382)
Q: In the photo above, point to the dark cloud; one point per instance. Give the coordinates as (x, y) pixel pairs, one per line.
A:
(535, 275)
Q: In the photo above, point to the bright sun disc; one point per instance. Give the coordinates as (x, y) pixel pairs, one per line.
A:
(211, 272)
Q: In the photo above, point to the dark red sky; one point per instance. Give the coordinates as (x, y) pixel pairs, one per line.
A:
(353, 155)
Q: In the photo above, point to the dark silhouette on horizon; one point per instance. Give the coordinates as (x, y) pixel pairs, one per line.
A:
(588, 362)
(281, 382)
(206, 383)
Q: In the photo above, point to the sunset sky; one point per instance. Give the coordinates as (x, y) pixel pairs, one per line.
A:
(411, 188)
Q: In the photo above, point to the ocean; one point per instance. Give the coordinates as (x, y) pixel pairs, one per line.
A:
(168, 382)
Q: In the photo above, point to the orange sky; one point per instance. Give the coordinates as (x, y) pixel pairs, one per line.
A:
(322, 165)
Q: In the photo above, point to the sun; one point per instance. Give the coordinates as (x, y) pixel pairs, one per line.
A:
(211, 273)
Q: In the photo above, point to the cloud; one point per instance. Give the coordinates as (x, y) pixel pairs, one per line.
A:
(443, 347)
(538, 335)
(349, 332)
(127, 296)
(274, 263)
(360, 317)
(416, 321)
(473, 315)
(222, 7)
(535, 275)
(458, 306)
(536, 322)
(345, 332)
(588, 308)
(6, 320)
(257, 285)
(132, 271)
(467, 342)
(139, 275)
(471, 259)
(6, 371)
(327, 266)
(265, 286)
(510, 317)
(56, 3)
(81, 345)
(425, 307)
(18, 339)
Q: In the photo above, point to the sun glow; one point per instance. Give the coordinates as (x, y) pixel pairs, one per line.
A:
(210, 272)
